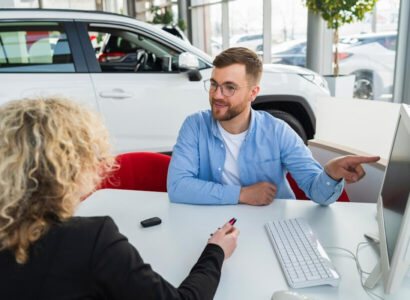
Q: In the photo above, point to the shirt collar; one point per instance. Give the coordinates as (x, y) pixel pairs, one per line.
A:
(217, 133)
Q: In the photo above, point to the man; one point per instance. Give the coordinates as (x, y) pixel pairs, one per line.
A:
(233, 154)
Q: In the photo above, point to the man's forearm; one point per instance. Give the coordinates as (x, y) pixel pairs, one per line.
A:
(197, 191)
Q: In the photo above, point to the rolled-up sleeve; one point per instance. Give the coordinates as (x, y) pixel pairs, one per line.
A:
(325, 190)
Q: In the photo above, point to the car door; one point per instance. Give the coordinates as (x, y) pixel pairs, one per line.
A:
(140, 91)
(38, 58)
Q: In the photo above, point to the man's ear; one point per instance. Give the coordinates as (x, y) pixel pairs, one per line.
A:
(254, 93)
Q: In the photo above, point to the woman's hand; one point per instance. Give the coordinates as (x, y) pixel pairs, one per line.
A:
(226, 238)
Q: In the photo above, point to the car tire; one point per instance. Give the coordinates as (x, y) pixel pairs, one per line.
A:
(363, 87)
(292, 122)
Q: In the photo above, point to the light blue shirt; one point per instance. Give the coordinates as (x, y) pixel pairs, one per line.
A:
(270, 150)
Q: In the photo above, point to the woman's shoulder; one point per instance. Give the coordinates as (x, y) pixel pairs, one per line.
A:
(90, 222)
(84, 229)
(80, 238)
(86, 225)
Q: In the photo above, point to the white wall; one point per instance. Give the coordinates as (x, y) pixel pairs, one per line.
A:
(365, 125)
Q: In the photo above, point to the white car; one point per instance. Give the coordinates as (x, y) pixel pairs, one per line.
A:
(144, 81)
(369, 56)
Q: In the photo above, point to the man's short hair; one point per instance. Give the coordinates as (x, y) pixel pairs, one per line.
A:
(243, 56)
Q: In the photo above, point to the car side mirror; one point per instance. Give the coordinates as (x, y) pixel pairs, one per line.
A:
(189, 62)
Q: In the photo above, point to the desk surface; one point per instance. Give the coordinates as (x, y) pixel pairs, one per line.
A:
(253, 271)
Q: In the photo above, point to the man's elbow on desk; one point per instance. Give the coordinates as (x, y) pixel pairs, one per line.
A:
(203, 193)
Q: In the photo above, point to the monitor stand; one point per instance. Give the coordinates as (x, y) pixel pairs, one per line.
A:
(374, 276)
(376, 273)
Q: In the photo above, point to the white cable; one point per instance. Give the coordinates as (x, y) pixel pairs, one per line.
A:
(361, 272)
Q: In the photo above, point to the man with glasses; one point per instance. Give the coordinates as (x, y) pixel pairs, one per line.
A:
(233, 154)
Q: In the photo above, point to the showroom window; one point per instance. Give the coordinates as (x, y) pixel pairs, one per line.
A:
(34, 47)
(289, 22)
(214, 23)
(368, 50)
(289, 29)
(246, 24)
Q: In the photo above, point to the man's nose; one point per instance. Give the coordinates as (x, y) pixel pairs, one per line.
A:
(218, 92)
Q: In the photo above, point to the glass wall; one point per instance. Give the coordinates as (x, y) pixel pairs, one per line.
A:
(246, 24)
(368, 49)
(214, 42)
(289, 29)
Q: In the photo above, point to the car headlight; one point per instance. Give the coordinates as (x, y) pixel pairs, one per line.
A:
(315, 79)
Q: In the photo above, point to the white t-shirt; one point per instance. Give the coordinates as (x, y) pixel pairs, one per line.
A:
(233, 142)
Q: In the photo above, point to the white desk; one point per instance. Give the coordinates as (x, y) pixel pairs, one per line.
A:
(253, 271)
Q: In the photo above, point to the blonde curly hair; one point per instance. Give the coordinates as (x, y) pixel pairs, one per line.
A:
(53, 153)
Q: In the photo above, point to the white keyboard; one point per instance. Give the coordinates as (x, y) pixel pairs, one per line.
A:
(303, 260)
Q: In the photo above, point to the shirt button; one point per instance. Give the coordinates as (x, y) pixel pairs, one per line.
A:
(328, 183)
(219, 169)
(222, 145)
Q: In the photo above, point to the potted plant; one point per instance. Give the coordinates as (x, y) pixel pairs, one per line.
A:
(337, 13)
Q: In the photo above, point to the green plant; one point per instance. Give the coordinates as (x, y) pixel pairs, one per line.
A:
(337, 13)
(162, 15)
(181, 24)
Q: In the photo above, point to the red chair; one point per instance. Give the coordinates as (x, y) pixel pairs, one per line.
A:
(144, 171)
(301, 194)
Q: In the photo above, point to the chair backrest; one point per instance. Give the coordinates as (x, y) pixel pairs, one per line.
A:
(302, 196)
(145, 171)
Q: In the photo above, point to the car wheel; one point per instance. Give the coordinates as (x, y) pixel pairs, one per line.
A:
(363, 87)
(292, 122)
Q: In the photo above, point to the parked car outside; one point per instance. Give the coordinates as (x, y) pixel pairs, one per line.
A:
(250, 41)
(368, 56)
(371, 58)
(144, 81)
(290, 53)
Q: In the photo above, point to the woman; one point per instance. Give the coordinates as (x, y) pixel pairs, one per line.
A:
(53, 152)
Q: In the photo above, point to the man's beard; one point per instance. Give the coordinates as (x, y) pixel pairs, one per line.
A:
(231, 111)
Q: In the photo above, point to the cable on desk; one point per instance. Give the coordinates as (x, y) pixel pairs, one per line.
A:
(361, 272)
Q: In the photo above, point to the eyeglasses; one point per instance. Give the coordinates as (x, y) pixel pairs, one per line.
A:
(227, 89)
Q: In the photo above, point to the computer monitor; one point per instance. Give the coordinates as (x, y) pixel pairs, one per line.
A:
(393, 211)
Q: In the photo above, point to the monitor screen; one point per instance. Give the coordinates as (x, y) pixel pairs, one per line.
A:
(396, 186)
